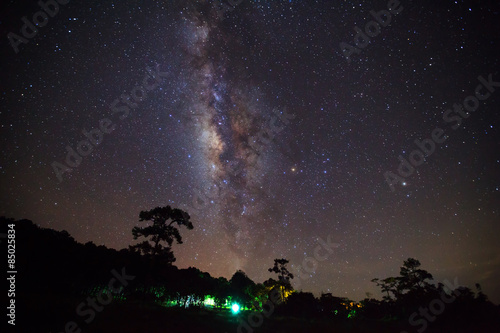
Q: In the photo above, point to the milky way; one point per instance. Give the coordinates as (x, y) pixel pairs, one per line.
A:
(263, 132)
(226, 121)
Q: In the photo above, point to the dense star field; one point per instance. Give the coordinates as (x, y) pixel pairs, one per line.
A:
(277, 125)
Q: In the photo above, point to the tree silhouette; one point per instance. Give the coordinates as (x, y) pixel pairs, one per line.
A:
(242, 288)
(388, 285)
(412, 277)
(284, 276)
(480, 295)
(163, 230)
(301, 305)
(72, 269)
(411, 282)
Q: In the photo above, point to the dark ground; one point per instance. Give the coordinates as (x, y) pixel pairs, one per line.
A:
(51, 315)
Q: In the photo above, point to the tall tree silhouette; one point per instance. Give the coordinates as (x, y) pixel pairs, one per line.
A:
(284, 276)
(162, 233)
(412, 277)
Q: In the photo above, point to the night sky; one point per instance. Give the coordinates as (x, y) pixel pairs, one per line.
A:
(255, 122)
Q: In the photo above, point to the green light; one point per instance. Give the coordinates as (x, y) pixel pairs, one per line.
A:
(235, 307)
(209, 301)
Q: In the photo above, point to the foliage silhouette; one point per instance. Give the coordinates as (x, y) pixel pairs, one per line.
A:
(163, 230)
(284, 276)
(59, 273)
(242, 288)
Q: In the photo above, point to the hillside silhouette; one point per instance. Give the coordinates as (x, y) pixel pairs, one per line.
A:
(66, 286)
